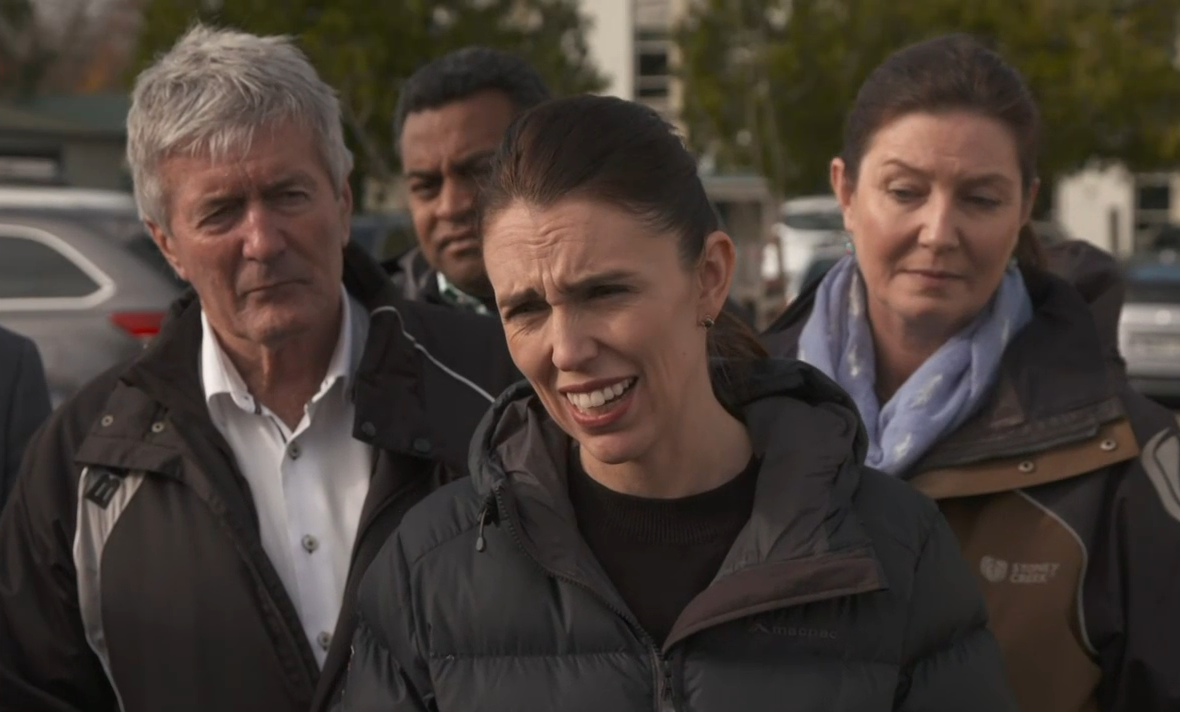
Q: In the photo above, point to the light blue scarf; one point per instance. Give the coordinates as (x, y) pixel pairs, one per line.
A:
(939, 396)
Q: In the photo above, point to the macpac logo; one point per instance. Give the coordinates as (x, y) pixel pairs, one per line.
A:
(999, 571)
(791, 631)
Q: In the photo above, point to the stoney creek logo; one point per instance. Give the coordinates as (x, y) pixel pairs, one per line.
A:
(999, 571)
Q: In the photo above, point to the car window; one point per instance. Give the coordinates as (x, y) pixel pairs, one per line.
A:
(141, 245)
(814, 221)
(1154, 284)
(30, 269)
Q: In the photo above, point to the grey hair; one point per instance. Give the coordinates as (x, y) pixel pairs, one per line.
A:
(211, 92)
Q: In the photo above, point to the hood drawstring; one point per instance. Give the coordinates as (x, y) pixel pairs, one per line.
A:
(489, 513)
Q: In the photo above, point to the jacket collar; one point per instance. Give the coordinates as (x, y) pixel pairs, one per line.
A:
(167, 374)
(802, 540)
(424, 283)
(1057, 383)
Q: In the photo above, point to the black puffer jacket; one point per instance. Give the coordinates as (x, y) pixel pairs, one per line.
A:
(843, 592)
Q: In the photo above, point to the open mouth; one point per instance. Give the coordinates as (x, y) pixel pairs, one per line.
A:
(601, 401)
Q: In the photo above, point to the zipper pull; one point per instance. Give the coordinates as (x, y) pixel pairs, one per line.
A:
(667, 702)
(488, 512)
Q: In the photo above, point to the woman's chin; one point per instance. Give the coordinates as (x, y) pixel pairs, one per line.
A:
(612, 449)
(933, 314)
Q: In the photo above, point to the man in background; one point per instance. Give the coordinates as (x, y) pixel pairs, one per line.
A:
(450, 118)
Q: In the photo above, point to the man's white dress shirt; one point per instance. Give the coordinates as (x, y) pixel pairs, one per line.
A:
(309, 484)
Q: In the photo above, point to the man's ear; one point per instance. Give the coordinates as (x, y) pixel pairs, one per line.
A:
(167, 248)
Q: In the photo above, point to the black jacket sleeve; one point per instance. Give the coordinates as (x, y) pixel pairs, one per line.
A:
(388, 670)
(953, 662)
(1132, 593)
(46, 664)
(27, 407)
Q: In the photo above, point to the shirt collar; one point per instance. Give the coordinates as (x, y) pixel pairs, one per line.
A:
(457, 296)
(219, 376)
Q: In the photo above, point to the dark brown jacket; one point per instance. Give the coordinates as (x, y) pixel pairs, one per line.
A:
(844, 592)
(1064, 493)
(132, 574)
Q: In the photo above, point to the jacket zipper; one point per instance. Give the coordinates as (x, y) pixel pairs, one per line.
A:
(664, 693)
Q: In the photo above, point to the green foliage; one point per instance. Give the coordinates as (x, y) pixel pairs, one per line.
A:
(1103, 73)
(367, 49)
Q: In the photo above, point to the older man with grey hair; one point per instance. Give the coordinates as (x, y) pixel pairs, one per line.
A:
(188, 532)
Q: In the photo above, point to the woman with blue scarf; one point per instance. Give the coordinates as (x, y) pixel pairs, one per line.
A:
(994, 386)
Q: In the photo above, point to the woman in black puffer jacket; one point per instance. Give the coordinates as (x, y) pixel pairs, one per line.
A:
(647, 527)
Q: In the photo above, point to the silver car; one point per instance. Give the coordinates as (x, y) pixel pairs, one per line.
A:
(80, 291)
(1149, 328)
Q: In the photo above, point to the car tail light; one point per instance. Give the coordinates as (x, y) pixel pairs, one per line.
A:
(141, 325)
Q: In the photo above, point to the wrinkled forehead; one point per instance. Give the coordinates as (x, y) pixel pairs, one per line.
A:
(550, 248)
(244, 160)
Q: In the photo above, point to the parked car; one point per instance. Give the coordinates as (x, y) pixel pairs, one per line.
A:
(809, 225)
(84, 296)
(822, 260)
(1149, 328)
(80, 275)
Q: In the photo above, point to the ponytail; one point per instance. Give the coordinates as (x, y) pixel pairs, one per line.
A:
(731, 340)
(733, 352)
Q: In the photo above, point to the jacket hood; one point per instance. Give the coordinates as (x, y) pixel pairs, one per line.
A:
(167, 370)
(811, 445)
(1095, 274)
(1061, 377)
(769, 397)
(1092, 272)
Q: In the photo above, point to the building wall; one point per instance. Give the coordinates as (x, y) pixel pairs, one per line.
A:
(631, 42)
(612, 43)
(1098, 206)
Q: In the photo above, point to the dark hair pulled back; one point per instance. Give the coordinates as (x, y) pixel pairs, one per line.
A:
(622, 154)
(951, 73)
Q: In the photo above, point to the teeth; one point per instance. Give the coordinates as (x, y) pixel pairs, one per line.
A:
(599, 398)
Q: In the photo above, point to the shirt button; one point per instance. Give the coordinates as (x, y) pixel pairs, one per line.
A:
(421, 445)
(295, 451)
(310, 544)
(324, 639)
